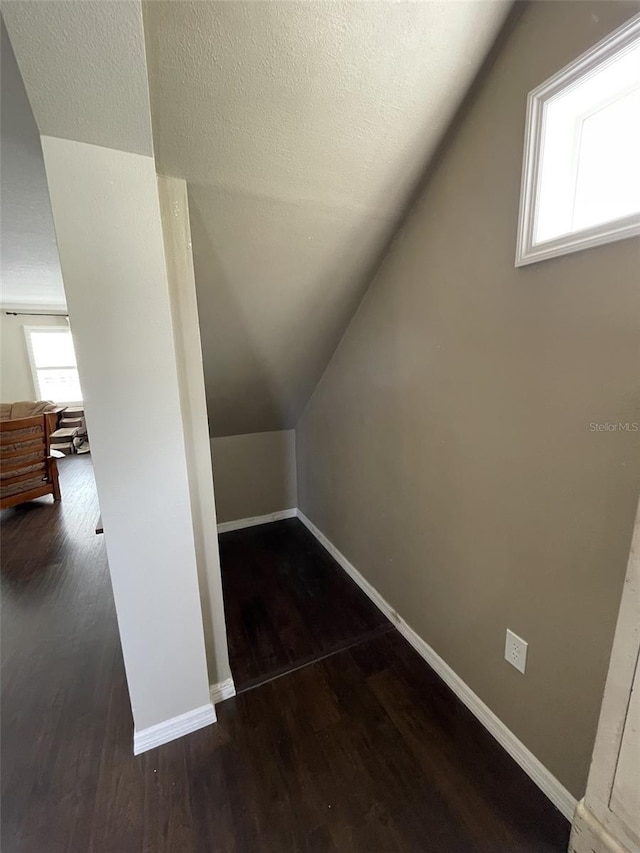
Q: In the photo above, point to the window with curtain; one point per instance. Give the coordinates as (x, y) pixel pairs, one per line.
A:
(53, 364)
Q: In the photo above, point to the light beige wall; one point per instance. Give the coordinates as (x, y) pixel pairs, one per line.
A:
(254, 474)
(16, 380)
(447, 450)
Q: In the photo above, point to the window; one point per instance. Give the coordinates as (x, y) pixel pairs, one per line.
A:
(53, 363)
(581, 174)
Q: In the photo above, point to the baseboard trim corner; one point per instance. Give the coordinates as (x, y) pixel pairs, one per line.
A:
(176, 727)
(562, 799)
(222, 690)
(588, 835)
(255, 520)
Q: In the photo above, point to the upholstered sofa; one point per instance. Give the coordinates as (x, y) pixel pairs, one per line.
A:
(27, 408)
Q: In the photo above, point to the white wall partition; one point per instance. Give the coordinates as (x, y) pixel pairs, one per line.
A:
(107, 220)
(174, 209)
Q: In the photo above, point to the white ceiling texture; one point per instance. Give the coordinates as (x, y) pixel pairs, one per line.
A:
(84, 72)
(29, 265)
(301, 129)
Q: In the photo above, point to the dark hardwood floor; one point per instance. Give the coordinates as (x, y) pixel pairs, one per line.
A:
(287, 602)
(364, 750)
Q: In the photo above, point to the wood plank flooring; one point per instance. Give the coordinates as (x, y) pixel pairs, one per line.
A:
(287, 602)
(364, 750)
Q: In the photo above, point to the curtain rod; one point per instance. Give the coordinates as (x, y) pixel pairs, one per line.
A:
(33, 314)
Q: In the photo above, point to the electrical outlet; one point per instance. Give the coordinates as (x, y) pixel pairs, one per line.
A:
(515, 651)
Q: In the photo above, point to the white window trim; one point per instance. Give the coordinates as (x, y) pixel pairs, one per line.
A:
(32, 362)
(527, 252)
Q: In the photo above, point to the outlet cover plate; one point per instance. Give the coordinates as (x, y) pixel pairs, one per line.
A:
(515, 651)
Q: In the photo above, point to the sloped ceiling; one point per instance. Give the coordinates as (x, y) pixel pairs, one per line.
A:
(301, 129)
(29, 265)
(83, 66)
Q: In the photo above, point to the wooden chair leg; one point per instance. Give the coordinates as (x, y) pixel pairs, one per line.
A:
(53, 476)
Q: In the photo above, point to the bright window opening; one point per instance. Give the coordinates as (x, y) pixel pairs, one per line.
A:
(53, 364)
(581, 177)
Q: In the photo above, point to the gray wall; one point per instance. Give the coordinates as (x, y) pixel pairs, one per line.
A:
(447, 450)
(254, 474)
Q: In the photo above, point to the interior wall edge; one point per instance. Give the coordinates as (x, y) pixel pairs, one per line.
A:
(176, 227)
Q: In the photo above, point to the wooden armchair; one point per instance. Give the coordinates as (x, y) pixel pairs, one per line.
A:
(27, 470)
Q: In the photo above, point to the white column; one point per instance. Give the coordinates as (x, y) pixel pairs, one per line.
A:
(107, 219)
(174, 208)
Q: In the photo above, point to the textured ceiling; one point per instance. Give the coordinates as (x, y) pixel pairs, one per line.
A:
(83, 65)
(301, 129)
(84, 71)
(29, 263)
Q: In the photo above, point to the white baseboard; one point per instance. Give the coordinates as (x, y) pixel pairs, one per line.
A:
(222, 690)
(588, 835)
(564, 801)
(241, 523)
(174, 728)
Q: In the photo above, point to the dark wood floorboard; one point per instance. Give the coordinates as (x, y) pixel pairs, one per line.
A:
(287, 602)
(365, 750)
